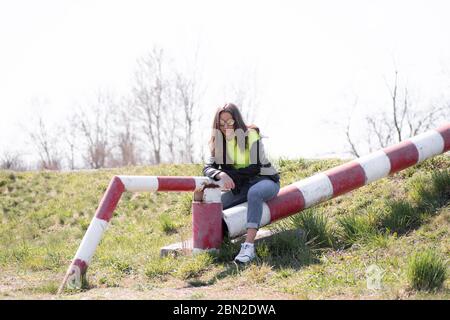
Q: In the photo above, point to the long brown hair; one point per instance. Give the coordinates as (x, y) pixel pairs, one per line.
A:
(239, 123)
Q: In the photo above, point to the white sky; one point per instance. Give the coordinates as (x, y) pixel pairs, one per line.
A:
(312, 57)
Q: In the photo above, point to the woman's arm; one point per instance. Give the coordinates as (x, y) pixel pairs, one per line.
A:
(211, 168)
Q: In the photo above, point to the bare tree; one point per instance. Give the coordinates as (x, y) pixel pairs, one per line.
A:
(381, 130)
(188, 93)
(185, 88)
(353, 149)
(188, 97)
(125, 135)
(95, 127)
(71, 137)
(397, 123)
(150, 91)
(422, 120)
(244, 93)
(11, 161)
(404, 120)
(171, 133)
(46, 143)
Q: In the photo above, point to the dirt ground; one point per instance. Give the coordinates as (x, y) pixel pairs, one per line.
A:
(24, 287)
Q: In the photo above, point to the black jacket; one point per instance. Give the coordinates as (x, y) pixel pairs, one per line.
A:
(260, 167)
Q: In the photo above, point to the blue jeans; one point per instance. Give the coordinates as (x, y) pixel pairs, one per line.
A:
(258, 190)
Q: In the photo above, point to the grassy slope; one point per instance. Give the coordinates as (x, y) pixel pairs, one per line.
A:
(44, 216)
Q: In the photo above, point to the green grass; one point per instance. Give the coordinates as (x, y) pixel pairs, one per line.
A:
(180, 267)
(46, 288)
(356, 228)
(318, 232)
(286, 249)
(400, 217)
(166, 223)
(430, 191)
(258, 274)
(160, 267)
(427, 270)
(228, 250)
(195, 266)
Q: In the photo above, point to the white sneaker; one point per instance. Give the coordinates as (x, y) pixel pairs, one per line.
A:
(246, 254)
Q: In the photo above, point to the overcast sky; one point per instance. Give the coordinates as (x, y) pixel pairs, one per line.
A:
(312, 59)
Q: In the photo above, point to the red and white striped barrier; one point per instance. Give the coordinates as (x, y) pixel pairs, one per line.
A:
(290, 200)
(104, 213)
(342, 179)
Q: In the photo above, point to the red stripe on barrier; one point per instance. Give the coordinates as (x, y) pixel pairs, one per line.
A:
(80, 264)
(110, 199)
(289, 200)
(445, 133)
(176, 184)
(346, 177)
(207, 232)
(402, 155)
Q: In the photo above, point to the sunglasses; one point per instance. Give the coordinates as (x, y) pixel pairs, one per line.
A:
(229, 123)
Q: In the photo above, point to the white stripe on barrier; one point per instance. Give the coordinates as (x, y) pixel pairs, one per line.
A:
(236, 219)
(91, 239)
(376, 165)
(140, 183)
(315, 189)
(212, 195)
(428, 144)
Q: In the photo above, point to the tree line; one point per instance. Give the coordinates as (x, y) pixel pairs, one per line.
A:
(155, 122)
(161, 117)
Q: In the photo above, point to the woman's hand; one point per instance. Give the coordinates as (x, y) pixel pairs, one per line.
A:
(228, 183)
